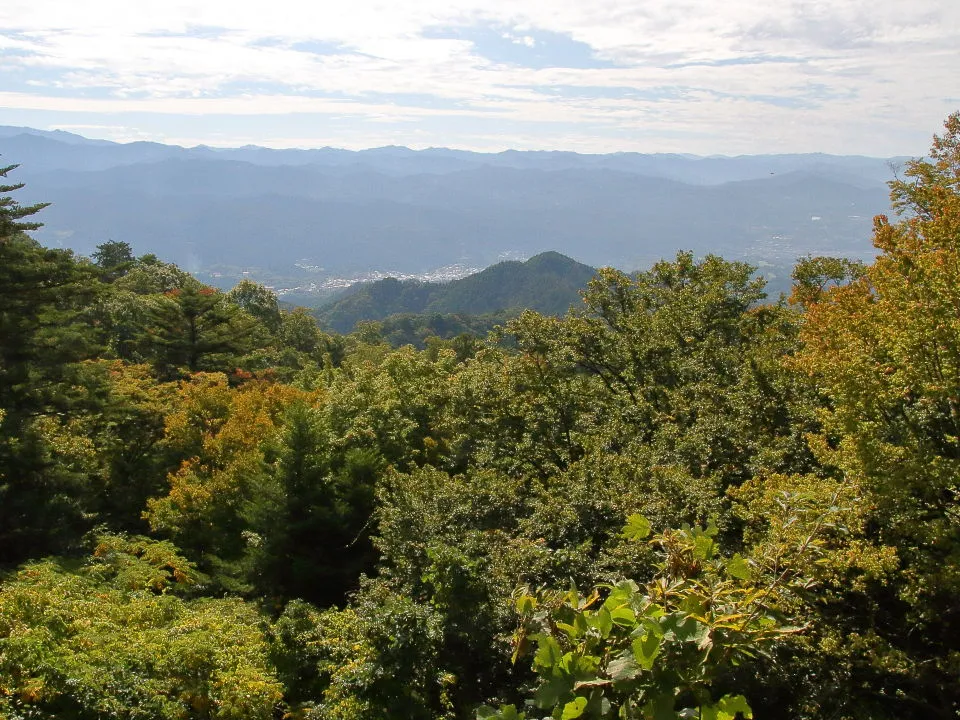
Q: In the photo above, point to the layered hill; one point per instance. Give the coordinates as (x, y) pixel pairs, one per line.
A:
(304, 215)
(548, 283)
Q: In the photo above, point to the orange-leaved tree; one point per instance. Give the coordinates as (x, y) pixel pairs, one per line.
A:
(885, 350)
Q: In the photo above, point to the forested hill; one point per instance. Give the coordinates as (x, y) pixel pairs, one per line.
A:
(548, 283)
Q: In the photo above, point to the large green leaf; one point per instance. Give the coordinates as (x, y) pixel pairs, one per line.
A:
(727, 708)
(603, 622)
(637, 528)
(574, 708)
(550, 693)
(646, 649)
(548, 653)
(739, 568)
(624, 668)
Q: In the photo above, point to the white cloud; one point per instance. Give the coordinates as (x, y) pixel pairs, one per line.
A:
(840, 68)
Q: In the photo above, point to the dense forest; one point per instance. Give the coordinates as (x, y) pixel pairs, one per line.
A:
(678, 500)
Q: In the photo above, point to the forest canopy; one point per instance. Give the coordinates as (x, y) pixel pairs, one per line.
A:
(680, 499)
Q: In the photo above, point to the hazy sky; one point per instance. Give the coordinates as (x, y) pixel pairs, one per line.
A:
(723, 76)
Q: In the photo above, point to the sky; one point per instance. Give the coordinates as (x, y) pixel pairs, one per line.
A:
(873, 77)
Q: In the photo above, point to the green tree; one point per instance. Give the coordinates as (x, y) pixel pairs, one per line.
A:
(308, 513)
(670, 648)
(257, 300)
(813, 276)
(114, 258)
(44, 389)
(150, 276)
(126, 435)
(684, 370)
(197, 329)
(12, 213)
(125, 309)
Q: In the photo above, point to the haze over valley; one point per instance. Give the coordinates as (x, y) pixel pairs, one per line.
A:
(312, 221)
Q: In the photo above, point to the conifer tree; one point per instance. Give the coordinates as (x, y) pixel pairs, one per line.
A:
(114, 258)
(43, 336)
(12, 212)
(194, 328)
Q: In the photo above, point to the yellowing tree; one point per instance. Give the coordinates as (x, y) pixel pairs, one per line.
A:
(112, 639)
(216, 432)
(885, 349)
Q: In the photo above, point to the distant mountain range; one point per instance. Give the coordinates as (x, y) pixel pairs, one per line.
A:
(333, 211)
(548, 283)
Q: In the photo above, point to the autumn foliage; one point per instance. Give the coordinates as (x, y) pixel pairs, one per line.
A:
(677, 500)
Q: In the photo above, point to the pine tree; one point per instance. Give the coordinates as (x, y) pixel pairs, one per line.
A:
(114, 258)
(11, 212)
(195, 328)
(309, 511)
(43, 336)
